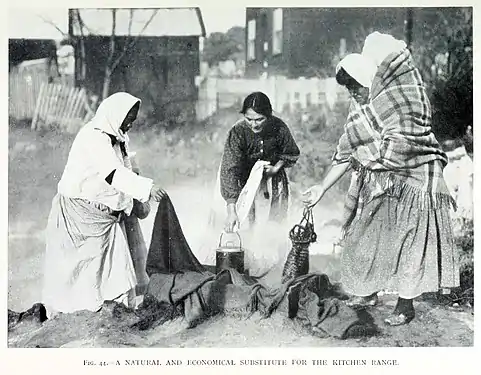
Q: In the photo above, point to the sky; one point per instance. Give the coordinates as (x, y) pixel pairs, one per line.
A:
(26, 23)
(222, 19)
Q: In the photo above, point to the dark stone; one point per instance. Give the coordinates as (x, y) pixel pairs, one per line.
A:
(35, 315)
(13, 318)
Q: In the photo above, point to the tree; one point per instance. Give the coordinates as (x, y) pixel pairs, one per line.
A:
(74, 18)
(115, 54)
(444, 54)
(224, 46)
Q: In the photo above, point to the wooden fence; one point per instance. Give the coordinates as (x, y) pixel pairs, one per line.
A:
(285, 94)
(66, 107)
(25, 81)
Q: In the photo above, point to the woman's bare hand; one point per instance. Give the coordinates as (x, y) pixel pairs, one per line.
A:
(270, 170)
(231, 222)
(157, 193)
(312, 195)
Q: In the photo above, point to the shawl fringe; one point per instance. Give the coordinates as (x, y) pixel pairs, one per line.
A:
(396, 186)
(408, 194)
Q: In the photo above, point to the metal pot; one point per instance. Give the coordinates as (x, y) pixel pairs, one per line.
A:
(228, 255)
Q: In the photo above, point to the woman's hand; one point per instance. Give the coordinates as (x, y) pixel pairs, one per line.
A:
(232, 219)
(157, 193)
(231, 222)
(271, 170)
(313, 195)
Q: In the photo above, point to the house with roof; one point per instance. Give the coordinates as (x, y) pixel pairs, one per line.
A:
(160, 55)
(38, 40)
(309, 42)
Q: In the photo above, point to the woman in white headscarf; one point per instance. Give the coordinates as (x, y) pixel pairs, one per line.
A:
(397, 232)
(378, 46)
(88, 260)
(360, 71)
(355, 72)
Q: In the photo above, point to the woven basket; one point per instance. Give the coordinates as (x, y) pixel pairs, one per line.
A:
(301, 235)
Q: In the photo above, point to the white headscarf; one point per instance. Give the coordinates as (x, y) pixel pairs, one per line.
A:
(359, 67)
(112, 112)
(378, 46)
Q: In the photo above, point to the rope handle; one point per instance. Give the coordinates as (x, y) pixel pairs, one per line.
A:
(230, 242)
(306, 224)
(307, 216)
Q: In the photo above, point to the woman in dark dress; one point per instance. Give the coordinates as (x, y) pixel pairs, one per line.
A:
(258, 136)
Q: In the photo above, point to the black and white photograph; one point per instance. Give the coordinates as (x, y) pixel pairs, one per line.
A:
(240, 177)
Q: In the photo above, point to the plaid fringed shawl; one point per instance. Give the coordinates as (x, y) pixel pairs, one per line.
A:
(390, 143)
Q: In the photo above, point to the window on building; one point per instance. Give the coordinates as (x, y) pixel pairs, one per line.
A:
(342, 48)
(277, 32)
(251, 40)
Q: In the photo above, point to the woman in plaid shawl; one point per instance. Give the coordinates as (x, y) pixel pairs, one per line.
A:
(397, 233)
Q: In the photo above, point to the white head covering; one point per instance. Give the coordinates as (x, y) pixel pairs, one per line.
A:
(112, 112)
(358, 67)
(378, 46)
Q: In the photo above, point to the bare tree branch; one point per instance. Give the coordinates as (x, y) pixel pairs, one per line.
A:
(131, 19)
(108, 65)
(80, 22)
(112, 36)
(129, 34)
(127, 46)
(65, 35)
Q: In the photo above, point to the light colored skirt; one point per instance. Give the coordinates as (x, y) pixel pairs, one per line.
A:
(397, 246)
(87, 257)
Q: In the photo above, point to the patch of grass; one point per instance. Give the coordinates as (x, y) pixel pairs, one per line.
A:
(36, 162)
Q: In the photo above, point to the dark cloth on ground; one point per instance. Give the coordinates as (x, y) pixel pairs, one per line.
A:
(309, 300)
(178, 279)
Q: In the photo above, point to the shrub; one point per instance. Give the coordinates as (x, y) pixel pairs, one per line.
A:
(446, 64)
(317, 131)
(465, 243)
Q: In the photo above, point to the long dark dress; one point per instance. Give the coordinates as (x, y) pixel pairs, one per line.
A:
(243, 148)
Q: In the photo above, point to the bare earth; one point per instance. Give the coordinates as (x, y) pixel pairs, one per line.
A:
(33, 175)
